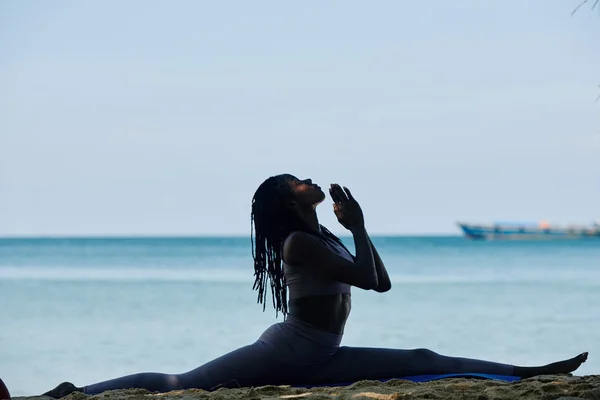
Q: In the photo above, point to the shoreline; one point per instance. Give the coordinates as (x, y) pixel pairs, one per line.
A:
(545, 387)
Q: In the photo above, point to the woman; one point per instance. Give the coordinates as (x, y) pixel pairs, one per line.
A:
(293, 253)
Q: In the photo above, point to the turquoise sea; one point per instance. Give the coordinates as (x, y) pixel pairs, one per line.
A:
(85, 310)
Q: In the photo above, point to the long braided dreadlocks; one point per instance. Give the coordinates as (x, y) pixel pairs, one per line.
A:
(273, 220)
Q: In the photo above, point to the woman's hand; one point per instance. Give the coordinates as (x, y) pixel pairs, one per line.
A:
(346, 208)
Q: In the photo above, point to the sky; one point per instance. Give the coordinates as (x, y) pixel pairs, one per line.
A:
(150, 117)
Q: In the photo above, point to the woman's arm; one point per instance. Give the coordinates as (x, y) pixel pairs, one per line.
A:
(383, 279)
(365, 254)
(350, 215)
(304, 249)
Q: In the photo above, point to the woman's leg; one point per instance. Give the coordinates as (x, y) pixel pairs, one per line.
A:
(152, 381)
(355, 363)
(283, 354)
(251, 365)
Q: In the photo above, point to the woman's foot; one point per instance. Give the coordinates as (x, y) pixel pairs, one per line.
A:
(560, 367)
(62, 390)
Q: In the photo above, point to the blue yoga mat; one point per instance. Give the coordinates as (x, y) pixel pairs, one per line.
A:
(428, 378)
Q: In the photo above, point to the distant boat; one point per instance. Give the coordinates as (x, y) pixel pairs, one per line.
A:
(524, 231)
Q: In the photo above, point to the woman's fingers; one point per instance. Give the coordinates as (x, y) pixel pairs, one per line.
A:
(339, 194)
(349, 193)
(337, 201)
(333, 195)
(337, 212)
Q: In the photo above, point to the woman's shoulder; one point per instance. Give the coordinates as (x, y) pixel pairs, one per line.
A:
(298, 243)
(299, 240)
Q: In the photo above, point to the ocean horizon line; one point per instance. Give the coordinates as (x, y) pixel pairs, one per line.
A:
(206, 236)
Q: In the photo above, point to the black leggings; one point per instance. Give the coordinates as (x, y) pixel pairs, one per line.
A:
(294, 353)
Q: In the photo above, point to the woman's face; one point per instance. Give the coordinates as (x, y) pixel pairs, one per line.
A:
(306, 193)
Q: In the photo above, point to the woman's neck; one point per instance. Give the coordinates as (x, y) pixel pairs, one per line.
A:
(309, 216)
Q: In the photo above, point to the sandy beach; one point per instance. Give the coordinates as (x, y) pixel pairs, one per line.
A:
(543, 387)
